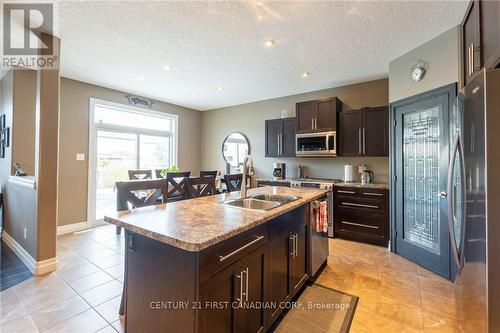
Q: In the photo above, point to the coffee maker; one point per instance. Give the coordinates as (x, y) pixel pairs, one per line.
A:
(279, 171)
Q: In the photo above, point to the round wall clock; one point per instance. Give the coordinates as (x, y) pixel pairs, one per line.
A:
(417, 71)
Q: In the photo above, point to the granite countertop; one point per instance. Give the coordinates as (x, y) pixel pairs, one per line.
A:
(196, 224)
(380, 186)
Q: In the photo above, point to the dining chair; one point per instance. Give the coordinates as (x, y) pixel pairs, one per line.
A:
(209, 173)
(196, 187)
(156, 192)
(176, 190)
(139, 174)
(233, 182)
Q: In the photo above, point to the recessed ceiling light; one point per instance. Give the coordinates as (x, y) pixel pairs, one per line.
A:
(140, 78)
(221, 88)
(269, 43)
(193, 94)
(305, 74)
(167, 68)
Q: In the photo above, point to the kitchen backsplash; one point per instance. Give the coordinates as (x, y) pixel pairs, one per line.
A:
(326, 167)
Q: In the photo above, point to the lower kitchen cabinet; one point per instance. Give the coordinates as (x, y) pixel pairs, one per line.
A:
(219, 285)
(287, 263)
(362, 214)
(225, 297)
(298, 258)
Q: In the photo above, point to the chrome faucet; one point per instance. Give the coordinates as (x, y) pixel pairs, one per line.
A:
(247, 161)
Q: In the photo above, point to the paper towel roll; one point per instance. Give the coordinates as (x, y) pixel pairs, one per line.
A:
(348, 172)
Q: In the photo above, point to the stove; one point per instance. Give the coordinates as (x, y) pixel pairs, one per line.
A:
(321, 183)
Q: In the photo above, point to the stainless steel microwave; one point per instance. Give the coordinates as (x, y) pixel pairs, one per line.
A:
(316, 144)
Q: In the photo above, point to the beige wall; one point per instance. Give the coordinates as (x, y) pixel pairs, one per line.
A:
(443, 57)
(249, 119)
(74, 128)
(23, 132)
(6, 93)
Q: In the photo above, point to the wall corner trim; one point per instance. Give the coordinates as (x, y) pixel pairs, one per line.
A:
(36, 267)
(26, 181)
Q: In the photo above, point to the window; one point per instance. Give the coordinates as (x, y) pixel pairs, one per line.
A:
(126, 138)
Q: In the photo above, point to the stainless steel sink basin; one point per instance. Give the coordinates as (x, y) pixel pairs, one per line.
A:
(253, 204)
(282, 199)
(261, 202)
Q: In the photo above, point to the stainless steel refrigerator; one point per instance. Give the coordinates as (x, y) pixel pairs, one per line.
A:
(474, 202)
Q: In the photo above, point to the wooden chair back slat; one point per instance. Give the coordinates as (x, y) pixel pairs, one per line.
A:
(233, 182)
(199, 186)
(139, 174)
(176, 190)
(154, 191)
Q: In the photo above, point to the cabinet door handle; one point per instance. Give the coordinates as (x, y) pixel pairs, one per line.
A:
(348, 192)
(360, 225)
(227, 256)
(279, 144)
(315, 123)
(296, 244)
(240, 276)
(373, 194)
(246, 284)
(359, 205)
(291, 244)
(312, 123)
(364, 141)
(359, 141)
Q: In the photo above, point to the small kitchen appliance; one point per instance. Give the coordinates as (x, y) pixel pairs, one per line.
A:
(367, 177)
(279, 171)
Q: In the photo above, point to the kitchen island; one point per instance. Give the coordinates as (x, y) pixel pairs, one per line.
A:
(201, 266)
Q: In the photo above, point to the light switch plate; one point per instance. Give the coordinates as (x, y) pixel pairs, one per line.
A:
(80, 157)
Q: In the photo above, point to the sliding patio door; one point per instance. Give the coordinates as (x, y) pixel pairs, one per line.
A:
(124, 138)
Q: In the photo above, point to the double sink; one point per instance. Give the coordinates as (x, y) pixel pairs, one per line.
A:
(261, 202)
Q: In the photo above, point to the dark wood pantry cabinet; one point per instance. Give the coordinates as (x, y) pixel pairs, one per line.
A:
(280, 137)
(480, 37)
(364, 132)
(318, 115)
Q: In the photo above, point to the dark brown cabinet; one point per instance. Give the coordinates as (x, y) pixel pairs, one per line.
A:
(361, 214)
(364, 132)
(287, 263)
(220, 285)
(280, 137)
(298, 258)
(318, 115)
(480, 37)
(233, 289)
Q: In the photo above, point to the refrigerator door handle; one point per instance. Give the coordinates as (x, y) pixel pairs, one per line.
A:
(452, 197)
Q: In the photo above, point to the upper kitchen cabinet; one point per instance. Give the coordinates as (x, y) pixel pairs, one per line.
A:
(318, 115)
(280, 137)
(364, 132)
(480, 37)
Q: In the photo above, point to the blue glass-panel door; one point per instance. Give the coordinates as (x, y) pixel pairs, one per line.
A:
(420, 166)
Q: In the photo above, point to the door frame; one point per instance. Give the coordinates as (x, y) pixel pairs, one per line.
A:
(451, 91)
(92, 147)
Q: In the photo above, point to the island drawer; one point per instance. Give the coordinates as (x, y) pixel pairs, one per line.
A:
(221, 255)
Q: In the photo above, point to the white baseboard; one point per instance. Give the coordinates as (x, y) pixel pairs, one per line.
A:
(36, 267)
(69, 228)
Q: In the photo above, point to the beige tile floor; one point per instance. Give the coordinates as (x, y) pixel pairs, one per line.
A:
(396, 295)
(83, 295)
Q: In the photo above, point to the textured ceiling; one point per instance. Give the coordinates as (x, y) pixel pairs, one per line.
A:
(212, 44)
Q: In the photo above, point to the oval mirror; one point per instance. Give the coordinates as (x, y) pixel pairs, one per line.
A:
(234, 149)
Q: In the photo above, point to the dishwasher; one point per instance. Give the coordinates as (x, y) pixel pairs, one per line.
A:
(319, 239)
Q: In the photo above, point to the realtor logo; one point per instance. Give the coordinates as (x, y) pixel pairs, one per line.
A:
(28, 30)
